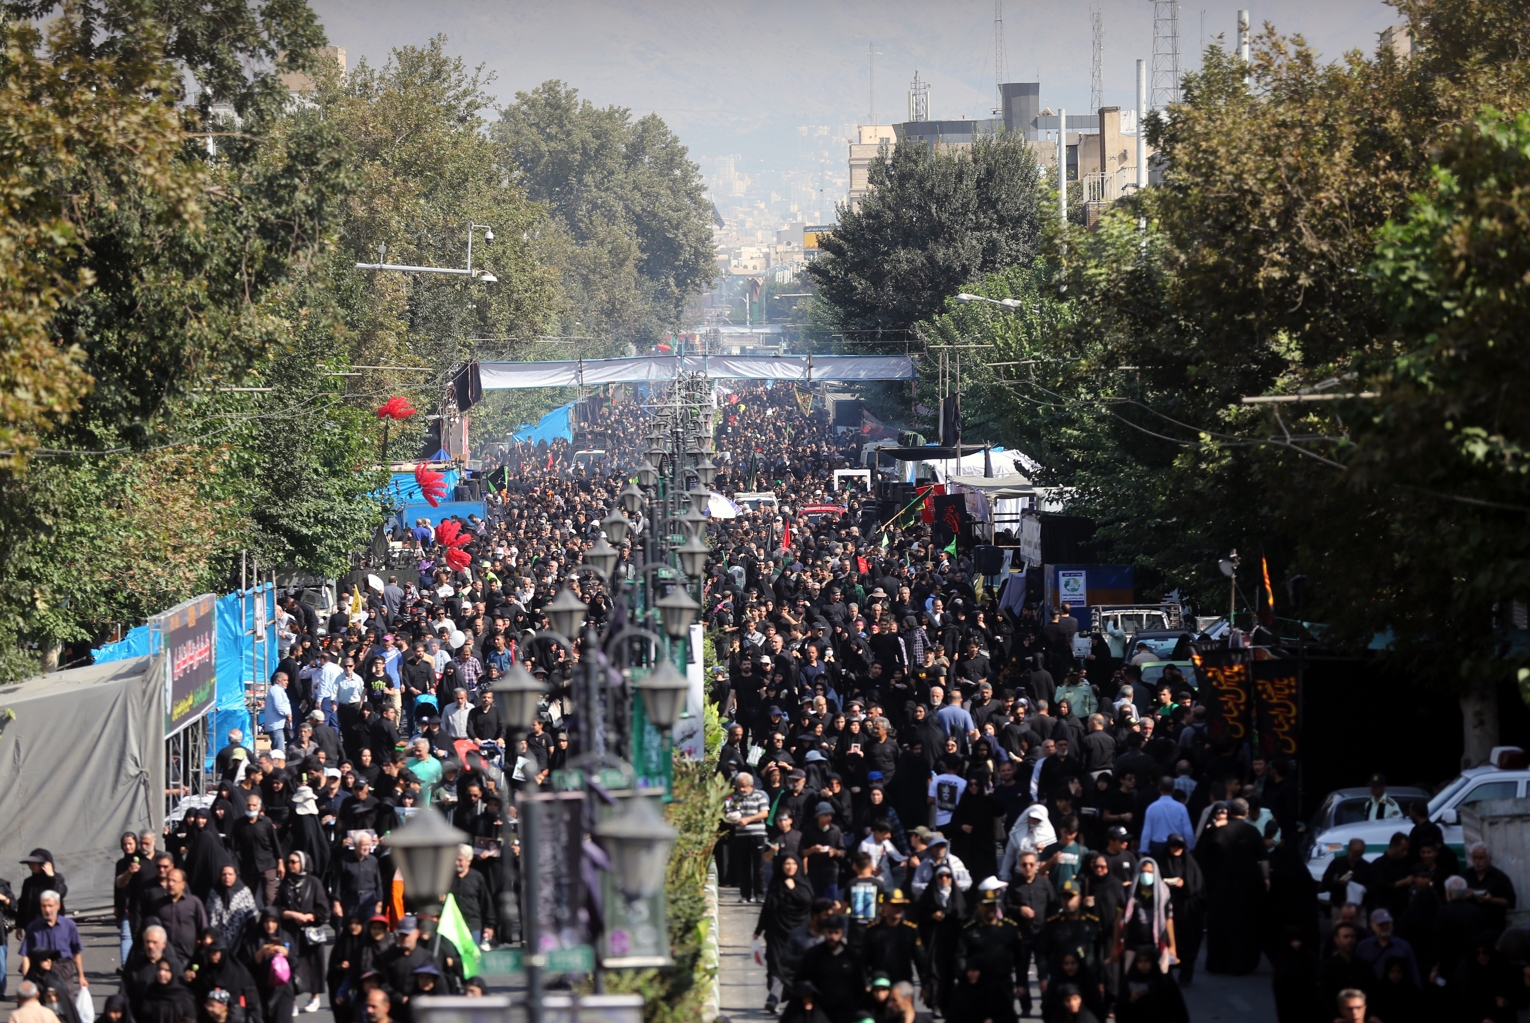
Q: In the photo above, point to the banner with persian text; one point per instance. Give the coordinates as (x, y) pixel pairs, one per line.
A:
(1224, 682)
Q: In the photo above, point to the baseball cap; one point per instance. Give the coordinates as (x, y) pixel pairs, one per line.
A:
(218, 995)
(1117, 831)
(937, 839)
(408, 925)
(880, 979)
(38, 856)
(1380, 916)
(332, 772)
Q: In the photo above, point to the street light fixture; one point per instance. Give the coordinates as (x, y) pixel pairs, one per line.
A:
(663, 693)
(602, 557)
(481, 275)
(694, 554)
(632, 499)
(693, 522)
(646, 473)
(1011, 304)
(567, 612)
(425, 851)
(616, 526)
(638, 842)
(706, 472)
(677, 612)
(518, 694)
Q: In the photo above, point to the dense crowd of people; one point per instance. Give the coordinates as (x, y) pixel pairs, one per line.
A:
(937, 806)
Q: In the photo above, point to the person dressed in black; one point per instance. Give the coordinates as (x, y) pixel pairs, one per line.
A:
(42, 879)
(834, 968)
(305, 913)
(205, 855)
(787, 906)
(1296, 978)
(1187, 895)
(167, 999)
(1149, 995)
(1235, 875)
(215, 966)
(268, 954)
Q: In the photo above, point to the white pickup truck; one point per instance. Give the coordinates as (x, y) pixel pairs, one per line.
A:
(1490, 783)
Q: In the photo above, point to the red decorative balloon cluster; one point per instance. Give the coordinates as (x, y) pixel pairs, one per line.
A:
(432, 485)
(396, 408)
(449, 535)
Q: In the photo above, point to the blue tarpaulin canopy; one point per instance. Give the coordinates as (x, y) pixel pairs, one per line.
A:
(236, 659)
(402, 489)
(557, 424)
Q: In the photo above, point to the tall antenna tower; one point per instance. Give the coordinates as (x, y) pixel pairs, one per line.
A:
(918, 99)
(1097, 65)
(1165, 53)
(999, 71)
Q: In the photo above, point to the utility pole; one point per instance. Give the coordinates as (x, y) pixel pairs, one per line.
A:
(1062, 166)
(871, 82)
(1243, 35)
(1142, 175)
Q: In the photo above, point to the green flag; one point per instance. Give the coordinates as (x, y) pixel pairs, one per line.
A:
(951, 547)
(455, 930)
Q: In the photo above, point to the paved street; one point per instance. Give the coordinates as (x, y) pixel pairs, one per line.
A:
(1210, 998)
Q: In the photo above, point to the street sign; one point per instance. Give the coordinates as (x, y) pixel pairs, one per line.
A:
(507, 962)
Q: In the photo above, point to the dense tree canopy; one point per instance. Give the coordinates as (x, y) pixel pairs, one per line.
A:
(932, 223)
(631, 232)
(1341, 228)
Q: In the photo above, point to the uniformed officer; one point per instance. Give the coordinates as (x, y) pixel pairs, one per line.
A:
(993, 946)
(1072, 930)
(1029, 900)
(892, 944)
(1380, 806)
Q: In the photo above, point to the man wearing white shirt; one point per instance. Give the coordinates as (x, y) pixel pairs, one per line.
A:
(350, 691)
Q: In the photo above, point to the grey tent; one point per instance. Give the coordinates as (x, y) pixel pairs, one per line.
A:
(82, 759)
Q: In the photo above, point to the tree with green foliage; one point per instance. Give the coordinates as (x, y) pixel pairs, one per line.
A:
(181, 242)
(632, 226)
(932, 222)
(1339, 227)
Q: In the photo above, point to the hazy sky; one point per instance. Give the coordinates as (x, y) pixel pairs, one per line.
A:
(740, 76)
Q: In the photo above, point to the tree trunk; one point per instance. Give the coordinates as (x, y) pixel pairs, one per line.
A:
(51, 650)
(1479, 721)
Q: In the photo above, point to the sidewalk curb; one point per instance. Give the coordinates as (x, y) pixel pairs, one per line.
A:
(711, 950)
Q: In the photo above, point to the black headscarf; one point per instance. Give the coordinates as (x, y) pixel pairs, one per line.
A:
(206, 855)
(786, 908)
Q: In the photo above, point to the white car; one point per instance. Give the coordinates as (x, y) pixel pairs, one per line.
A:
(1336, 823)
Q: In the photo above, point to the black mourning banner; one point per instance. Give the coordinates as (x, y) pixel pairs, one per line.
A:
(1275, 699)
(1225, 689)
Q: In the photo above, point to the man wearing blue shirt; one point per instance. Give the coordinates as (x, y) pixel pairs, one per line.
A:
(1165, 816)
(52, 931)
(276, 718)
(955, 721)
